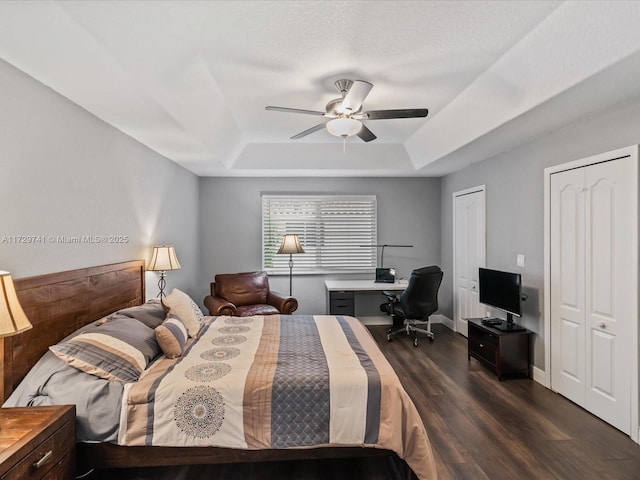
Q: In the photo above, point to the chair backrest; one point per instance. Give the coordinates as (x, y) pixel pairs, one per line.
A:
(420, 298)
(247, 288)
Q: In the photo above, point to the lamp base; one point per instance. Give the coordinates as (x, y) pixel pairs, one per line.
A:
(162, 282)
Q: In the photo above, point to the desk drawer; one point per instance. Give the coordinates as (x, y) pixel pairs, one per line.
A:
(342, 307)
(342, 303)
(342, 295)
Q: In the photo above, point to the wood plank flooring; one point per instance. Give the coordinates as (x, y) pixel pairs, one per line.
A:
(479, 428)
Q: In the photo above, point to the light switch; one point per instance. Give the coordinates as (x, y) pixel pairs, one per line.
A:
(520, 260)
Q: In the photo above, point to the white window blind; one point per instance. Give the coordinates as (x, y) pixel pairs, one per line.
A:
(337, 232)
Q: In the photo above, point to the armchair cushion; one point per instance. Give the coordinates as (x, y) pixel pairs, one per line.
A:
(246, 294)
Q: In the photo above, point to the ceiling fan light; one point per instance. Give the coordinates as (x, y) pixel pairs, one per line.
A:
(344, 127)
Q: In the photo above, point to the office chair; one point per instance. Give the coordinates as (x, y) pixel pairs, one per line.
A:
(415, 305)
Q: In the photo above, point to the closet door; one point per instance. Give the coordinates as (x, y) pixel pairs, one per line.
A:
(610, 295)
(568, 360)
(593, 299)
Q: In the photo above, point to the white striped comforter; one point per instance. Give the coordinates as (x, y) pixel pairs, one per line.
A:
(277, 381)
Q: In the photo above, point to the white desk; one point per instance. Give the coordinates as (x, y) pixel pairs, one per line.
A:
(341, 293)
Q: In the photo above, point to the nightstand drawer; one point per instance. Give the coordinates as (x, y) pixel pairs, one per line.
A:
(55, 451)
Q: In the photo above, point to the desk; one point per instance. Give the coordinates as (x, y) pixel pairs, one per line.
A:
(341, 293)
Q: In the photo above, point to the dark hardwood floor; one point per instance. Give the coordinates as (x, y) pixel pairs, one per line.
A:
(479, 428)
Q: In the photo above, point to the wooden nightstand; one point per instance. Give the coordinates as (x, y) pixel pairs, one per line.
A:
(37, 443)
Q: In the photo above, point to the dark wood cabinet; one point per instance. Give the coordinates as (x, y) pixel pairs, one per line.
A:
(506, 353)
(37, 443)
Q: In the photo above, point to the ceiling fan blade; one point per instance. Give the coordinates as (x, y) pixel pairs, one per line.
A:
(366, 134)
(294, 110)
(406, 113)
(315, 128)
(355, 96)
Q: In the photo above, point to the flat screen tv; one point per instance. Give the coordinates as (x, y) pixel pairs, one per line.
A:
(501, 290)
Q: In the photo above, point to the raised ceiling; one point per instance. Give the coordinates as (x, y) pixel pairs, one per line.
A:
(191, 79)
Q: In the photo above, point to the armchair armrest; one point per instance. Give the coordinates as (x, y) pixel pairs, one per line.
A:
(286, 305)
(219, 306)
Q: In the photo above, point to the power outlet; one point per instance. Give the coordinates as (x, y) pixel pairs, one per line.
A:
(520, 260)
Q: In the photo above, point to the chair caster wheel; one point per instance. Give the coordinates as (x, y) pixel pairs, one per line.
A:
(389, 338)
(415, 342)
(430, 339)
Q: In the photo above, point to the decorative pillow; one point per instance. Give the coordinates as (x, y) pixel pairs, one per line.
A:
(151, 313)
(172, 336)
(180, 304)
(118, 350)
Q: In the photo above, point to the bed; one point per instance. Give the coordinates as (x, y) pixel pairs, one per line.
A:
(62, 304)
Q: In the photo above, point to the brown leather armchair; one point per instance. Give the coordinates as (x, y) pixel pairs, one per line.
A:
(246, 294)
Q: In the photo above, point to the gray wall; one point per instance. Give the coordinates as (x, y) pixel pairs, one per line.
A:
(63, 172)
(230, 229)
(514, 202)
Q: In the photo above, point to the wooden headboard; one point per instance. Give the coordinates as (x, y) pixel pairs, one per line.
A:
(57, 304)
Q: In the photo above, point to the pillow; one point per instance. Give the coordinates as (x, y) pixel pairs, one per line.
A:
(151, 313)
(172, 336)
(180, 304)
(118, 350)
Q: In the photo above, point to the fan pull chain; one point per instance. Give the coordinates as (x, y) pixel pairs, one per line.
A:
(344, 145)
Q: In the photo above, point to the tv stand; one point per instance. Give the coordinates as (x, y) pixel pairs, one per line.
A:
(506, 352)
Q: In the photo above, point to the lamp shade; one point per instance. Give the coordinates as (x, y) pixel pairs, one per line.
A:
(290, 244)
(344, 127)
(12, 317)
(163, 259)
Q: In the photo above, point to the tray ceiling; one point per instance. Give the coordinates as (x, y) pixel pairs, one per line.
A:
(191, 79)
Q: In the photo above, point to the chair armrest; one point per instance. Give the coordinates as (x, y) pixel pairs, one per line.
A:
(285, 305)
(219, 306)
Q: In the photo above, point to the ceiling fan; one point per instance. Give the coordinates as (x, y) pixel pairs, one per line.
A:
(346, 115)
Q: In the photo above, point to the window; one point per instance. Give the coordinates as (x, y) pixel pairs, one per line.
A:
(337, 232)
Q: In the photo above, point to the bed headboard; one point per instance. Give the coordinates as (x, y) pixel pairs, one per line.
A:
(57, 304)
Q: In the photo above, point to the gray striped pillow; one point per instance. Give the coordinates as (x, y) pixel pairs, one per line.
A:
(118, 350)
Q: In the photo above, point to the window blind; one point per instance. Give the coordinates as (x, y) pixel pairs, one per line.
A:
(337, 232)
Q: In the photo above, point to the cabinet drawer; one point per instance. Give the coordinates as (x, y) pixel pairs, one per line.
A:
(53, 452)
(483, 336)
(485, 350)
(340, 295)
(342, 307)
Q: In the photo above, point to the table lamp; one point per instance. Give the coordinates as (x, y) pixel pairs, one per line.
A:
(13, 320)
(290, 244)
(163, 259)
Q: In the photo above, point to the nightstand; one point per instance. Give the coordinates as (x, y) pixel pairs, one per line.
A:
(37, 443)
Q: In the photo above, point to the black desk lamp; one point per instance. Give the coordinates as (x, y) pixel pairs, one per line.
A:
(290, 244)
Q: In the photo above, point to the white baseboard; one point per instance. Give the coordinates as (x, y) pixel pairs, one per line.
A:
(386, 320)
(437, 318)
(376, 320)
(539, 375)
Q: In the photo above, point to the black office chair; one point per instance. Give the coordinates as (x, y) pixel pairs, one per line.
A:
(416, 304)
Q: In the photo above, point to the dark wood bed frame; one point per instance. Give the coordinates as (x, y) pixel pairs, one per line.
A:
(57, 304)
